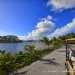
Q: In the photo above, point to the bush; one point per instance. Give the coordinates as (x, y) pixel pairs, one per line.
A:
(12, 62)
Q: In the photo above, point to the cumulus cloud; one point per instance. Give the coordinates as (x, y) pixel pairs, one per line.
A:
(42, 27)
(61, 4)
(63, 30)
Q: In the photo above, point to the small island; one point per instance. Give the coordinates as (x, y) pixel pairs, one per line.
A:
(10, 39)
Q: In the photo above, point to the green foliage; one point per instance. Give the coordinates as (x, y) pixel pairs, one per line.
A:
(10, 62)
(61, 39)
(30, 48)
(6, 63)
(46, 41)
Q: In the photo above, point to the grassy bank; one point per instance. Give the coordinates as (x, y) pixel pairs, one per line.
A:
(11, 62)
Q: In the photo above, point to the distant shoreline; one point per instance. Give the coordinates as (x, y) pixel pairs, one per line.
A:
(11, 41)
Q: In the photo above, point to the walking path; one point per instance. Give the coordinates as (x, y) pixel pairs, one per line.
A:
(52, 64)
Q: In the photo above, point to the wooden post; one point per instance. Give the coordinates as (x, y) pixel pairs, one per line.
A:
(66, 51)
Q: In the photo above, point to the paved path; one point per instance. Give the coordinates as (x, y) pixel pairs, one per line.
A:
(52, 64)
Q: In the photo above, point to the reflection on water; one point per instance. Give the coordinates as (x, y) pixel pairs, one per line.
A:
(15, 47)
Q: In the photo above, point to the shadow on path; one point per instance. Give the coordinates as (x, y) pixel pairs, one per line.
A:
(61, 51)
(20, 73)
(50, 61)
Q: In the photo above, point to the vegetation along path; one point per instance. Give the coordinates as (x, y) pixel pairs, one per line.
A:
(52, 64)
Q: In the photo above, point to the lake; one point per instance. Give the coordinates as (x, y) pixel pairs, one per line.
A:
(15, 47)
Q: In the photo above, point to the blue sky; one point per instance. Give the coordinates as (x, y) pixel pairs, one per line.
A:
(33, 19)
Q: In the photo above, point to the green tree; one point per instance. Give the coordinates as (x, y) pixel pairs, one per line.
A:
(30, 48)
(69, 36)
(6, 63)
(54, 39)
(73, 35)
(46, 41)
(5, 38)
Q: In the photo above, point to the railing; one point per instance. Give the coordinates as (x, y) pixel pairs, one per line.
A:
(67, 51)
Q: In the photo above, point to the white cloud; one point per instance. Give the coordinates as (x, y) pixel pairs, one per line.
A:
(61, 4)
(64, 30)
(42, 27)
(48, 18)
(22, 37)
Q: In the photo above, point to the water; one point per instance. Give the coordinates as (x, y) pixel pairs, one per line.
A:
(15, 47)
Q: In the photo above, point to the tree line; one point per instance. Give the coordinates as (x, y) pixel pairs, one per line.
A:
(9, 39)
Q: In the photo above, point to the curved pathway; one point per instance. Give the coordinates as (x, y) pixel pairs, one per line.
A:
(52, 64)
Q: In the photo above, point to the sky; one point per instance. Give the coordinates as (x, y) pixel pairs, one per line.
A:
(34, 19)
